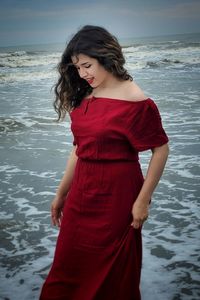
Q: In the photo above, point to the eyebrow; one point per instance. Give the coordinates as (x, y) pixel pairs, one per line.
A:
(85, 63)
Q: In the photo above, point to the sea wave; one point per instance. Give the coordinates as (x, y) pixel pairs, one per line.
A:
(145, 56)
(179, 51)
(162, 63)
(19, 59)
(26, 76)
(23, 123)
(26, 66)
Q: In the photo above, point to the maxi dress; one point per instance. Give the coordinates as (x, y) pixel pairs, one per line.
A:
(99, 254)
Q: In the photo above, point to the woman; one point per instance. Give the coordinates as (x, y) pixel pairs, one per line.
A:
(102, 200)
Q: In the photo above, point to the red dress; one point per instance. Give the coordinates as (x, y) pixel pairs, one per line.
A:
(98, 254)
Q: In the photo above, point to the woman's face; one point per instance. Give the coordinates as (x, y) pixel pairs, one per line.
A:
(90, 69)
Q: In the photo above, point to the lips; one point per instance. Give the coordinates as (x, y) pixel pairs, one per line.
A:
(90, 80)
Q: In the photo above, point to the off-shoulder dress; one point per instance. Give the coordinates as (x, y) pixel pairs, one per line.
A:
(99, 254)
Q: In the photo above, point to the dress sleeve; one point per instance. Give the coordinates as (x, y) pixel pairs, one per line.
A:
(145, 127)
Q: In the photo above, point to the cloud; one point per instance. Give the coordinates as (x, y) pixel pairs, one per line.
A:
(27, 21)
(100, 10)
(180, 10)
(57, 11)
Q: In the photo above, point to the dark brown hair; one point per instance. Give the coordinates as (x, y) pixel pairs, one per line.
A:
(93, 41)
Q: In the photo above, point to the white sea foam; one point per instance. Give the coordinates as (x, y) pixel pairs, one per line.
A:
(26, 76)
(23, 59)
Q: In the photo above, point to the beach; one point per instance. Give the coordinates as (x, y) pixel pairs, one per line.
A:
(34, 150)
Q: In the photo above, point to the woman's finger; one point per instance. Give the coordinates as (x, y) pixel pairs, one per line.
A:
(55, 217)
(137, 223)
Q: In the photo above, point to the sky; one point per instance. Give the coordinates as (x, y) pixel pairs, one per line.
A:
(24, 22)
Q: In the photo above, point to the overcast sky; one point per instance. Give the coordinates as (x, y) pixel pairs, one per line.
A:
(48, 21)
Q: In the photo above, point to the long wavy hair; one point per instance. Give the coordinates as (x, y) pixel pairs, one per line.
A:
(95, 42)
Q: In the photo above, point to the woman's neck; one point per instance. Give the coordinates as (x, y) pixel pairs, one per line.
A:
(109, 85)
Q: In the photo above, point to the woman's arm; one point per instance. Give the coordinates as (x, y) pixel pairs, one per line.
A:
(154, 172)
(63, 188)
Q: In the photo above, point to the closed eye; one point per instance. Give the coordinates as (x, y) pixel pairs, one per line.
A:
(87, 67)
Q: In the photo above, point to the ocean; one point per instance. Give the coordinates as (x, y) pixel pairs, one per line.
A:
(34, 150)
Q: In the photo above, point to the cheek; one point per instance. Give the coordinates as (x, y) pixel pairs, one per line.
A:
(99, 74)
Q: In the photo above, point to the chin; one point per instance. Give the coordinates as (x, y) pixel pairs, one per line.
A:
(93, 86)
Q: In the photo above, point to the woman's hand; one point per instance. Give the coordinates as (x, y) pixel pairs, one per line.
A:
(140, 213)
(56, 210)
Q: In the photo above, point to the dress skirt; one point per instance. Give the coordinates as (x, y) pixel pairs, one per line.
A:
(98, 254)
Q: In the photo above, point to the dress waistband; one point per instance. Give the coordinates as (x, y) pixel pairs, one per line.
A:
(133, 160)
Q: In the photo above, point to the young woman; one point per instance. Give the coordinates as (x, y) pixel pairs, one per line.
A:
(103, 199)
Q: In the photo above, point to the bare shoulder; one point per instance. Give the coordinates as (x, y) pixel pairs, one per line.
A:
(134, 92)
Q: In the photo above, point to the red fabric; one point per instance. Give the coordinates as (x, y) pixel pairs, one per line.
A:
(98, 254)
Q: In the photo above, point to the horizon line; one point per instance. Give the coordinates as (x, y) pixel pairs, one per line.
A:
(119, 38)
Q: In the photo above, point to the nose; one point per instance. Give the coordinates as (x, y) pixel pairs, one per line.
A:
(82, 72)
